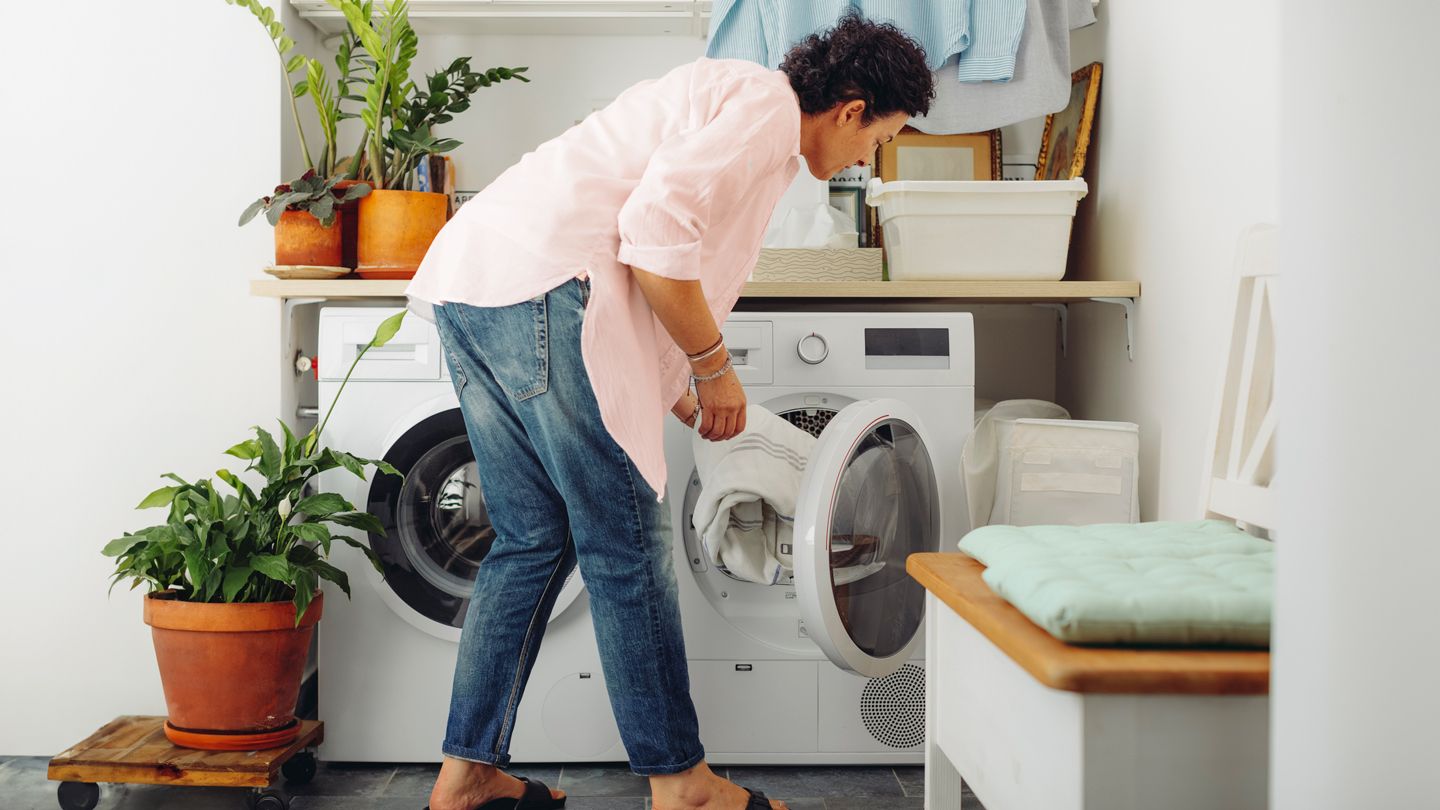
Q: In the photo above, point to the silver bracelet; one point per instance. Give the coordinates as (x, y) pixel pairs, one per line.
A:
(725, 369)
(714, 350)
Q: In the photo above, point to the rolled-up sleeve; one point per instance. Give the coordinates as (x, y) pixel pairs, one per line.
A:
(696, 177)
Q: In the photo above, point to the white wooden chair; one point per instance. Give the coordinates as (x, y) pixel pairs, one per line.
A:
(1032, 723)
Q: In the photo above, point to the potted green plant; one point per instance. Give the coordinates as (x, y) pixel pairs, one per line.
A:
(397, 224)
(234, 582)
(298, 232)
(307, 214)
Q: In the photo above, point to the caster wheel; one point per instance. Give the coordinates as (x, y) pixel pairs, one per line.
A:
(300, 769)
(268, 800)
(78, 795)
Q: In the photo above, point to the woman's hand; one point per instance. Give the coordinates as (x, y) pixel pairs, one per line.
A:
(684, 409)
(681, 308)
(722, 400)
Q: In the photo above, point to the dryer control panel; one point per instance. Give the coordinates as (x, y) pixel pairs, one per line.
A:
(828, 349)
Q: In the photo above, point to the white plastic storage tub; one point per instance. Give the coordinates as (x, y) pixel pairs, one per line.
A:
(953, 230)
(1061, 471)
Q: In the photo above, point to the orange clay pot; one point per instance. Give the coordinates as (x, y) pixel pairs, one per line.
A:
(231, 672)
(396, 228)
(301, 239)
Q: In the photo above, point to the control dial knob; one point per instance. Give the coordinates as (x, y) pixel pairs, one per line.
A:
(813, 349)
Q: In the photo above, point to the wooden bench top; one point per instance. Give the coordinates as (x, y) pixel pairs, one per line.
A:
(955, 579)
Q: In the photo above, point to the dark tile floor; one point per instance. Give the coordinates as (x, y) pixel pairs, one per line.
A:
(23, 786)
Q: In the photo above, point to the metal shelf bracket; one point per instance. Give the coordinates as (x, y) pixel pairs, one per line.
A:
(1128, 304)
(1063, 310)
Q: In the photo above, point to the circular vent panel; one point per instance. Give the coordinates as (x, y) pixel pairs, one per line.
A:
(893, 707)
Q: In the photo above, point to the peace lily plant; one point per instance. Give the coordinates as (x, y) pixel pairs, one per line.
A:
(234, 582)
(248, 546)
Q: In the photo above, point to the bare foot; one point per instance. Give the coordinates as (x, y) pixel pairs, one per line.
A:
(465, 785)
(700, 789)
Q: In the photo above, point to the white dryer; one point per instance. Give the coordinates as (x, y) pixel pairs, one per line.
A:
(387, 656)
(826, 666)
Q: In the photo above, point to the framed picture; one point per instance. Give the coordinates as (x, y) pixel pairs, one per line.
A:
(1067, 133)
(851, 203)
(915, 155)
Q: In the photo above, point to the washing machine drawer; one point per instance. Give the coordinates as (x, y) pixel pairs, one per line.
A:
(756, 706)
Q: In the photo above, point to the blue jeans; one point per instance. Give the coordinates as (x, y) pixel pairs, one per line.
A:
(559, 490)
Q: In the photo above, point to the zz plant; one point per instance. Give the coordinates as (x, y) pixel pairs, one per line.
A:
(398, 115)
(248, 546)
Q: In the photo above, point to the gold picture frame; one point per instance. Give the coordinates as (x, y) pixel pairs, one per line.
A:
(915, 155)
(1067, 133)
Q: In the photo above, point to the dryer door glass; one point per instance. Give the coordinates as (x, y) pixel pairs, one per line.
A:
(437, 529)
(869, 499)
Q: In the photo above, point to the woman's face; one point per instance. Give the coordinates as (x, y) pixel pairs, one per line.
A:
(837, 139)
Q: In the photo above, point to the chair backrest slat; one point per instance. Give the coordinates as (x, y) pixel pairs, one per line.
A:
(1240, 463)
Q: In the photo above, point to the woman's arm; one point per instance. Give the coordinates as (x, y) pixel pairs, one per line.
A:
(681, 308)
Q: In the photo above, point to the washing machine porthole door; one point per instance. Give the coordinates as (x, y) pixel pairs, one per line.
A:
(870, 498)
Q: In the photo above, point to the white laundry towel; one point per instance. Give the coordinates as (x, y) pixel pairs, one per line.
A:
(745, 514)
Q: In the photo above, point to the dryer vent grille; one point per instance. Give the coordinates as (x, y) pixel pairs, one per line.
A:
(810, 420)
(893, 707)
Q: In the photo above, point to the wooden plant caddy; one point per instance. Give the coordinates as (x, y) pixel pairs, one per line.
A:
(133, 750)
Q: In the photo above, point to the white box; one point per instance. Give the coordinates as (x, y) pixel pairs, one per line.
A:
(1070, 472)
(952, 230)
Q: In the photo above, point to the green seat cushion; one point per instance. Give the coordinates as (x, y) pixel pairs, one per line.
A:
(1197, 583)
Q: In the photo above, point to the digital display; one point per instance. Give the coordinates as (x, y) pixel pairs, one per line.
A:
(907, 342)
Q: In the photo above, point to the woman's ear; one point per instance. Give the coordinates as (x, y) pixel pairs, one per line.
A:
(848, 112)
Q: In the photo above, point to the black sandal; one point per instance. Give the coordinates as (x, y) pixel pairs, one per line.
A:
(757, 800)
(536, 797)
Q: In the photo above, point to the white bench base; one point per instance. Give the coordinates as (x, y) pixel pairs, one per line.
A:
(1021, 745)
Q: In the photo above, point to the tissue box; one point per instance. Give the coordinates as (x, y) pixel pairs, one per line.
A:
(818, 264)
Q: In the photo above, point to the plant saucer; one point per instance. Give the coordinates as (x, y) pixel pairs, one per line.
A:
(311, 271)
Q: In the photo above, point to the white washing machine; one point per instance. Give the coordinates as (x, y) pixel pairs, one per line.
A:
(807, 671)
(387, 656)
(826, 666)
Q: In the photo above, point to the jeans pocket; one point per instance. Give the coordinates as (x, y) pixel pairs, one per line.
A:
(514, 343)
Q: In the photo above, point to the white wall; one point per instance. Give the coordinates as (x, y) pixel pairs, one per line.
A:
(1188, 144)
(1356, 703)
(132, 347)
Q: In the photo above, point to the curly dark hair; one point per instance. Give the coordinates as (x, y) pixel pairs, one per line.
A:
(861, 59)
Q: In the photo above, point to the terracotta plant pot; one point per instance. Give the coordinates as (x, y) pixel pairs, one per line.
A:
(349, 225)
(231, 672)
(301, 239)
(396, 228)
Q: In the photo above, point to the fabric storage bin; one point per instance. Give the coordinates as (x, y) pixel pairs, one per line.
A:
(1067, 472)
(818, 264)
(953, 230)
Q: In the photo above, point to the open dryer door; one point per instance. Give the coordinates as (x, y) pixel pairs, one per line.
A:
(870, 498)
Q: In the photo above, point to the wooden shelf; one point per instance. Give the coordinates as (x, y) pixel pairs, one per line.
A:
(603, 17)
(974, 291)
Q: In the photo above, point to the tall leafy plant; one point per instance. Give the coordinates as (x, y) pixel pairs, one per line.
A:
(399, 115)
(313, 82)
(289, 64)
(249, 546)
(392, 45)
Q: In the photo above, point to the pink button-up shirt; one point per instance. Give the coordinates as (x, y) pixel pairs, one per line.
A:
(678, 177)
